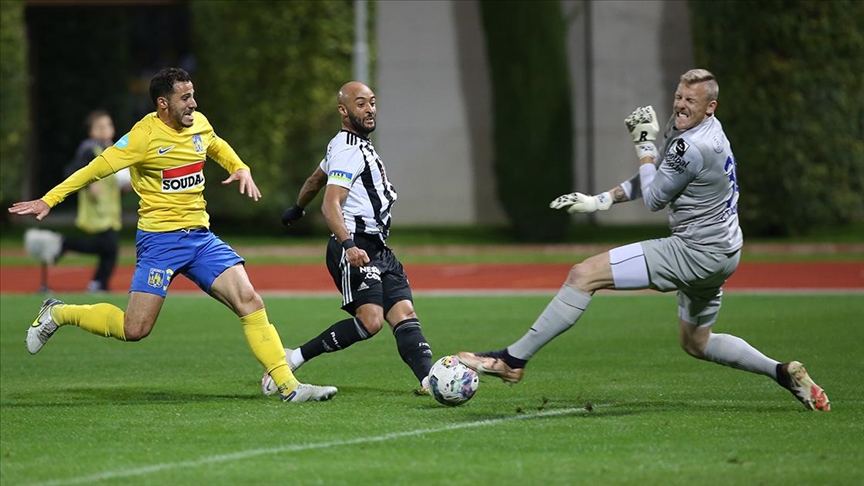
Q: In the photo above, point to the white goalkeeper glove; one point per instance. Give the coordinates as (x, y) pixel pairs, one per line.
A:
(644, 128)
(580, 203)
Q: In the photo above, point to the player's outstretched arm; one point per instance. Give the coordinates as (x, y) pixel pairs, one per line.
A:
(92, 172)
(247, 184)
(38, 207)
(577, 202)
(310, 189)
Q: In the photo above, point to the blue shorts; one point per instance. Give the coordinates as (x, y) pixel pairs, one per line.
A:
(198, 254)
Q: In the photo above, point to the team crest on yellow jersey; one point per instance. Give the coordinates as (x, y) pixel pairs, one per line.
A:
(198, 143)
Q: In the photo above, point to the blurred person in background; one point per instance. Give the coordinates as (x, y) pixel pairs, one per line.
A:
(99, 210)
(358, 200)
(694, 178)
(166, 152)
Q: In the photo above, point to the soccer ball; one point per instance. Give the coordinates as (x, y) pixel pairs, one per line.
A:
(451, 382)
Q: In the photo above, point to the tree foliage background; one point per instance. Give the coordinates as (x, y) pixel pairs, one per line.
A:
(267, 72)
(267, 81)
(14, 109)
(532, 126)
(792, 103)
(80, 56)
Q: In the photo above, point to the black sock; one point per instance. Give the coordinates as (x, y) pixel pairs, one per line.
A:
(337, 337)
(504, 355)
(413, 348)
(512, 362)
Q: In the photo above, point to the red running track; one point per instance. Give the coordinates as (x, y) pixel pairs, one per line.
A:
(832, 276)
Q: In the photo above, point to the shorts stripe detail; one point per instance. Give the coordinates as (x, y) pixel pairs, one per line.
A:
(346, 279)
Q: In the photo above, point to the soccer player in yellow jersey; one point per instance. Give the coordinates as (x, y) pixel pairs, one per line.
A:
(165, 153)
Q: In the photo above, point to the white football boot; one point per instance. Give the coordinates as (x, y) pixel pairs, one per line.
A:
(268, 386)
(310, 393)
(43, 327)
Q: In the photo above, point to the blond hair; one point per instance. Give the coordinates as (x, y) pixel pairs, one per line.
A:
(696, 76)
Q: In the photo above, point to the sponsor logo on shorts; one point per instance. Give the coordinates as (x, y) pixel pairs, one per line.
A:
(198, 143)
(372, 273)
(362, 286)
(183, 178)
(341, 175)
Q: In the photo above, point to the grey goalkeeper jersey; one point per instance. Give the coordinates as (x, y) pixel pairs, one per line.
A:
(696, 182)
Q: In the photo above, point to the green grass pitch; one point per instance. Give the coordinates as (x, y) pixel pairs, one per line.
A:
(612, 401)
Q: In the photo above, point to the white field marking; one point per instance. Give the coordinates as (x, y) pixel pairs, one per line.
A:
(241, 455)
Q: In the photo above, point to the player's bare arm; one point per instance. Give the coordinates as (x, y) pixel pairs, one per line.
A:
(334, 198)
(247, 184)
(311, 187)
(38, 207)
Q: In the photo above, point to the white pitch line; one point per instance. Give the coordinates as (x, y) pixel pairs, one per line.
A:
(237, 456)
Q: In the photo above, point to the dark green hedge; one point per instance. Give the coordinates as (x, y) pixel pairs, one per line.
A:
(80, 57)
(792, 103)
(14, 109)
(526, 45)
(267, 80)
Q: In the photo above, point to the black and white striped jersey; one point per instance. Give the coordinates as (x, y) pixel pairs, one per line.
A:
(351, 162)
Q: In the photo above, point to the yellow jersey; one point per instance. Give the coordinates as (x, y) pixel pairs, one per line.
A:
(166, 168)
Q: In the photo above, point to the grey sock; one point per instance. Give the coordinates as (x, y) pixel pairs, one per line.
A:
(735, 352)
(564, 310)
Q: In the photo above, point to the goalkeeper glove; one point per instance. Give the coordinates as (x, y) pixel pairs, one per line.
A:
(644, 128)
(580, 203)
(292, 214)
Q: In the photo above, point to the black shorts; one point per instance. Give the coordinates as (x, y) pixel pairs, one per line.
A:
(382, 281)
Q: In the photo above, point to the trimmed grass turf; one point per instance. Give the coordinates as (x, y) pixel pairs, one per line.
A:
(183, 406)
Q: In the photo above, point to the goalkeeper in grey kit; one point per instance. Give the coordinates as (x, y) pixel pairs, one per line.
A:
(692, 176)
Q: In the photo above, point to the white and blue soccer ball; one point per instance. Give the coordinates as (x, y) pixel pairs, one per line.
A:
(451, 382)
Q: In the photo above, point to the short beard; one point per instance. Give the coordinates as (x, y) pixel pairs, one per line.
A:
(357, 124)
(179, 119)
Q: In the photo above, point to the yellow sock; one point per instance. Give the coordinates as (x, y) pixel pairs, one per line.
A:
(102, 319)
(268, 349)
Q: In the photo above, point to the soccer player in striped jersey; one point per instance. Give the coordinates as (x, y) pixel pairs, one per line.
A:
(357, 207)
(694, 179)
(165, 153)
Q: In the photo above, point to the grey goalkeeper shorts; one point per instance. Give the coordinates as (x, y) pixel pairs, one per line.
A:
(697, 275)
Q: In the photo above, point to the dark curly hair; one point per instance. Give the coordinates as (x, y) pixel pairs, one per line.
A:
(162, 84)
